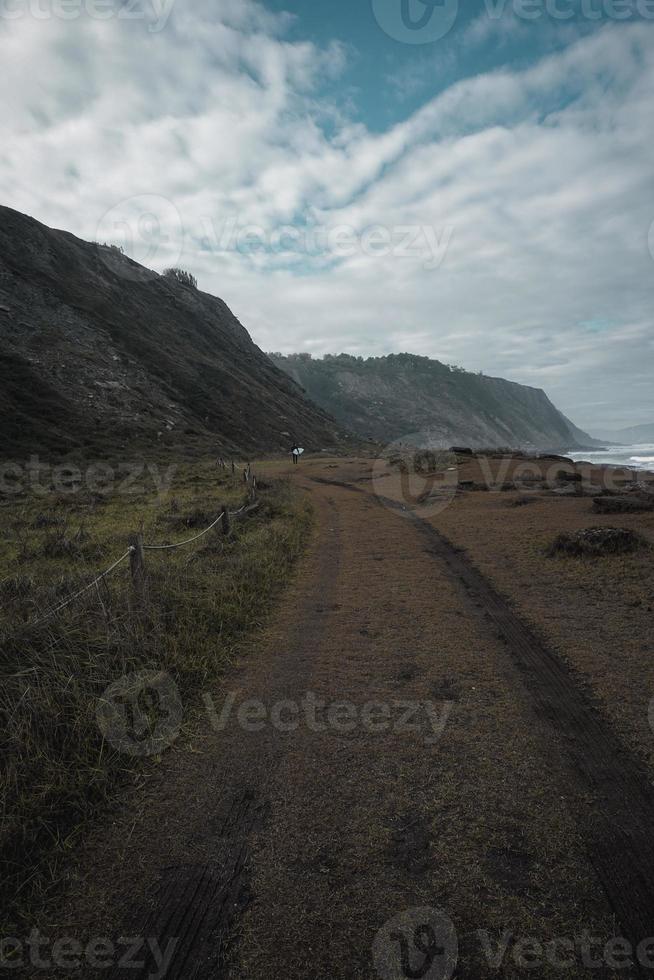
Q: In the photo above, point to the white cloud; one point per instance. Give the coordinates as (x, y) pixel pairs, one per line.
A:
(543, 175)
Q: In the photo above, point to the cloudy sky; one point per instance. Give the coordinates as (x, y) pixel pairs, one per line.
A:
(472, 184)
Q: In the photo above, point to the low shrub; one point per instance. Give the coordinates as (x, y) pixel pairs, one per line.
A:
(522, 501)
(181, 276)
(597, 542)
(623, 505)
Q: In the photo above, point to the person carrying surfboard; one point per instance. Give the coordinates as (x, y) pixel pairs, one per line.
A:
(295, 453)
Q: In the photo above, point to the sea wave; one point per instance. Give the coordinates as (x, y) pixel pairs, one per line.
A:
(642, 459)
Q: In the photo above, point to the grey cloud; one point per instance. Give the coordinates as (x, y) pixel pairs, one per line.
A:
(543, 174)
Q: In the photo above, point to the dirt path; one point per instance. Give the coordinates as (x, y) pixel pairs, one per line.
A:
(618, 827)
(414, 776)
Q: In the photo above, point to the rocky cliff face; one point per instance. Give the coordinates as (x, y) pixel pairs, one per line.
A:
(404, 396)
(97, 351)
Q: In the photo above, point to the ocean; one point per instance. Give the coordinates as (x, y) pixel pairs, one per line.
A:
(633, 457)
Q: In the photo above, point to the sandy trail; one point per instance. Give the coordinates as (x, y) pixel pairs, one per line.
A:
(408, 767)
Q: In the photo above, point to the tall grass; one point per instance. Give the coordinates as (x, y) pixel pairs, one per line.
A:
(201, 602)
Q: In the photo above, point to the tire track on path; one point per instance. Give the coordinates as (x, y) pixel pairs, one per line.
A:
(619, 826)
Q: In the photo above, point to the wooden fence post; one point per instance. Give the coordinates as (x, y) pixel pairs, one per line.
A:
(137, 563)
(225, 519)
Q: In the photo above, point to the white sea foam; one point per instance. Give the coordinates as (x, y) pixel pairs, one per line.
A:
(637, 457)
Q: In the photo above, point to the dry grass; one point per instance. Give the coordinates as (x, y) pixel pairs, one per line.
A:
(201, 602)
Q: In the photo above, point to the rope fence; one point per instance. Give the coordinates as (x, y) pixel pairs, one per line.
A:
(180, 544)
(87, 588)
(136, 550)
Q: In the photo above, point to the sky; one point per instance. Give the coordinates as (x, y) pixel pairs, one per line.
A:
(469, 181)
